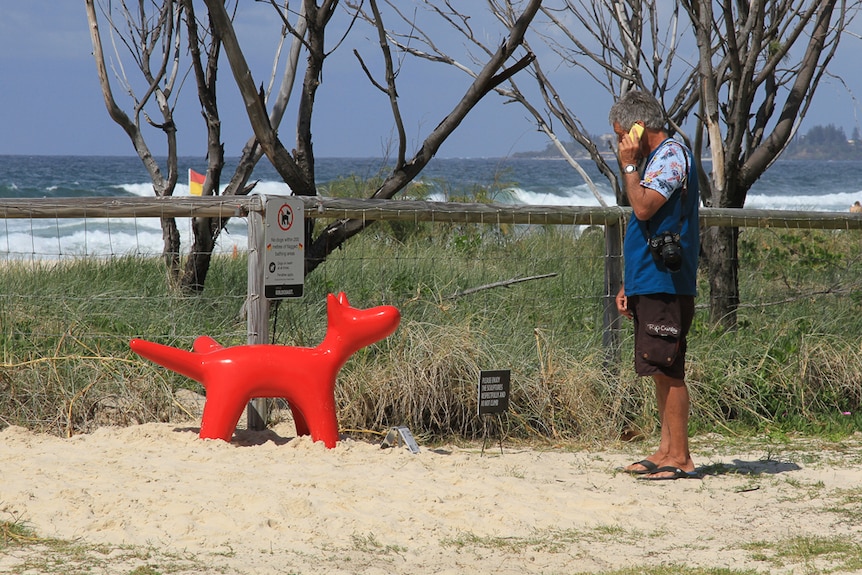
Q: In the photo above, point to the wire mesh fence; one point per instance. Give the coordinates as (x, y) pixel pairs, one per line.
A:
(480, 286)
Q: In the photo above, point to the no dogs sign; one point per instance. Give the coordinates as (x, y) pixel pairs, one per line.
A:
(284, 237)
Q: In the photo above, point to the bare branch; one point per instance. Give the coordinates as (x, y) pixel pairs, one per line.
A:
(141, 51)
(264, 131)
(502, 283)
(491, 75)
(390, 89)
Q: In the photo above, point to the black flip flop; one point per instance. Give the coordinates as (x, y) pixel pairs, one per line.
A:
(648, 467)
(676, 473)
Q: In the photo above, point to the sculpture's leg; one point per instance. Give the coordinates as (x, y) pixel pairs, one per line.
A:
(299, 420)
(220, 417)
(322, 421)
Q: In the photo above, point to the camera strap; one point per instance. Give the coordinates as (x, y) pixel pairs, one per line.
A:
(684, 190)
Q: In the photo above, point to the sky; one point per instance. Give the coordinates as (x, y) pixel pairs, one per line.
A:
(51, 103)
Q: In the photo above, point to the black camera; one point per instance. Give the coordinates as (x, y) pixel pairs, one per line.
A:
(666, 248)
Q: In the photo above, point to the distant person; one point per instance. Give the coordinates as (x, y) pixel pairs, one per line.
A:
(856, 208)
(660, 252)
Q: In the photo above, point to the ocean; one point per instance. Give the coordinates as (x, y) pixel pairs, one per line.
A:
(805, 185)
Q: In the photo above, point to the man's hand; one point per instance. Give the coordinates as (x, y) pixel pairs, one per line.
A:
(623, 303)
(629, 148)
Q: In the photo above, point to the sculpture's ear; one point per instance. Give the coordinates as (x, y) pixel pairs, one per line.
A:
(334, 302)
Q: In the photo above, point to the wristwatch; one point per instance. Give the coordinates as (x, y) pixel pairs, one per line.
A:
(630, 169)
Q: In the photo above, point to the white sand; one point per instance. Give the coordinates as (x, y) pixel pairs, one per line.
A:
(272, 503)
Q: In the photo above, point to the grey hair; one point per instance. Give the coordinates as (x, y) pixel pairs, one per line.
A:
(635, 106)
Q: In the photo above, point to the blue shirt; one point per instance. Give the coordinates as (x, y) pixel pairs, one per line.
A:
(665, 173)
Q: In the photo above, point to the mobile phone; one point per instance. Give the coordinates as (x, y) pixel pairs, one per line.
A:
(637, 130)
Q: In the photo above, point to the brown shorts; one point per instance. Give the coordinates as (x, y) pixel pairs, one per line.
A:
(661, 324)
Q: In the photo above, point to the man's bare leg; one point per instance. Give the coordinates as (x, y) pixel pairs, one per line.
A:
(673, 404)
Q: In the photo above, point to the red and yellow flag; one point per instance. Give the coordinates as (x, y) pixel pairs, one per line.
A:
(196, 183)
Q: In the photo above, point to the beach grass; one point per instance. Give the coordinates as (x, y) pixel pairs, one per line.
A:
(15, 533)
(819, 554)
(793, 365)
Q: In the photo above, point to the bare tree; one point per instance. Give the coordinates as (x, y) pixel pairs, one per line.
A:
(737, 80)
(612, 65)
(297, 168)
(149, 29)
(149, 34)
(757, 68)
(760, 66)
(154, 43)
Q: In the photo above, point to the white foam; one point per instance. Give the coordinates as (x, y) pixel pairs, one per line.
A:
(51, 239)
(838, 202)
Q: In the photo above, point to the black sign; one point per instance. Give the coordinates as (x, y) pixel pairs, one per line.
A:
(282, 291)
(494, 391)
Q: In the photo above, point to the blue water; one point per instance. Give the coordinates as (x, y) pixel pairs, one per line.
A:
(787, 185)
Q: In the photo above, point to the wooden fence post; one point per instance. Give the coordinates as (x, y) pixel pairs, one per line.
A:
(257, 306)
(613, 280)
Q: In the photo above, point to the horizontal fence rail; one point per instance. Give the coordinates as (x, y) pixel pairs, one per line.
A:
(410, 210)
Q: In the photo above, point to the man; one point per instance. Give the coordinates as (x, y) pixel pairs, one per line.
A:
(660, 280)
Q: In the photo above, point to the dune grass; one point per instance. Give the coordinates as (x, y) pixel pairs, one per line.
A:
(794, 364)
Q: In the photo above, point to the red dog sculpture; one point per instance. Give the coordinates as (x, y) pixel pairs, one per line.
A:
(303, 376)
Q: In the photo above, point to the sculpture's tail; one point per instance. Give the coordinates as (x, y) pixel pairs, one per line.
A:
(185, 362)
(206, 344)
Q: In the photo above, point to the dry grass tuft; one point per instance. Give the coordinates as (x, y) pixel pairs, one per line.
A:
(831, 372)
(426, 377)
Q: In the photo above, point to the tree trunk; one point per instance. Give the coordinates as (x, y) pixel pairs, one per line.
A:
(611, 318)
(171, 250)
(720, 247)
(198, 262)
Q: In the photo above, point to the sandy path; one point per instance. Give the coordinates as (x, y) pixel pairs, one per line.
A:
(270, 503)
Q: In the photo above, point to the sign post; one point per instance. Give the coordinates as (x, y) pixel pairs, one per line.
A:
(276, 270)
(258, 308)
